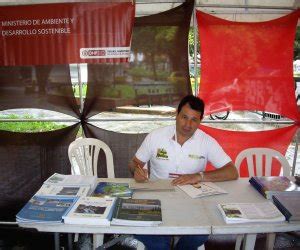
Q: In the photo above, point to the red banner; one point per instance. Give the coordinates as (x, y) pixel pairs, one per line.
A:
(64, 33)
(248, 66)
(233, 142)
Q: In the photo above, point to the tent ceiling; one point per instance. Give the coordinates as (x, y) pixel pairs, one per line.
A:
(236, 10)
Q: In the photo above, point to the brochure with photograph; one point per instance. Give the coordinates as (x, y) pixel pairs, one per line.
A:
(250, 212)
(91, 211)
(45, 209)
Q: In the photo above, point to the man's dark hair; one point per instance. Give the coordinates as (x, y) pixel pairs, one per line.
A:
(194, 102)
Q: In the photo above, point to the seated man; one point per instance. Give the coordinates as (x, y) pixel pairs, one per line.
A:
(181, 152)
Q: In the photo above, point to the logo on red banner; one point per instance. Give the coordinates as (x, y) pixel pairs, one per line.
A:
(110, 52)
(87, 53)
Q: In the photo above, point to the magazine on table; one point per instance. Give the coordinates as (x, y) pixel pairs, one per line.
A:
(49, 189)
(270, 185)
(137, 212)
(250, 212)
(45, 209)
(91, 211)
(202, 189)
(71, 180)
(289, 205)
(113, 189)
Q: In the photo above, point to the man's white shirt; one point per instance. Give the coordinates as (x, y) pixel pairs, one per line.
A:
(168, 158)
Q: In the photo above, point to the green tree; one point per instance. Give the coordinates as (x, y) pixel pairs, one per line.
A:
(192, 42)
(154, 42)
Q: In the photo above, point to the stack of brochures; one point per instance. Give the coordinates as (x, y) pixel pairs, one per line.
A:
(270, 185)
(71, 180)
(250, 212)
(68, 185)
(81, 200)
(45, 209)
(289, 204)
(137, 212)
(54, 199)
(59, 190)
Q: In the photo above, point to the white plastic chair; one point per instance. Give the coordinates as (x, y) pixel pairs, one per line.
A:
(85, 152)
(259, 154)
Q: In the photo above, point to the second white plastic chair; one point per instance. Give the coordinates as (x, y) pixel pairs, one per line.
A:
(264, 158)
(85, 152)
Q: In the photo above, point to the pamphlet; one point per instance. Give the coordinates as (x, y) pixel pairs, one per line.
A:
(49, 189)
(137, 212)
(250, 212)
(113, 189)
(45, 209)
(71, 180)
(202, 189)
(288, 204)
(91, 211)
(270, 185)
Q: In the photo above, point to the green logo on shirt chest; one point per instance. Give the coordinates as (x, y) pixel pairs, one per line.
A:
(162, 154)
(197, 157)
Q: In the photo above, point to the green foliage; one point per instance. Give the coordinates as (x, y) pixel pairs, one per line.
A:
(154, 39)
(118, 91)
(76, 90)
(28, 126)
(191, 42)
(140, 72)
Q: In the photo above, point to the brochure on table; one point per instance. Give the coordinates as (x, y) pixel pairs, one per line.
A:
(45, 209)
(91, 211)
(250, 212)
(202, 189)
(137, 212)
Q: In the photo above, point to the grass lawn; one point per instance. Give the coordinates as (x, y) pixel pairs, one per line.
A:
(28, 127)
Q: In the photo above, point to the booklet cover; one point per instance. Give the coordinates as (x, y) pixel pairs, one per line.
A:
(137, 212)
(71, 180)
(202, 189)
(288, 204)
(49, 189)
(250, 212)
(42, 209)
(113, 189)
(270, 185)
(91, 211)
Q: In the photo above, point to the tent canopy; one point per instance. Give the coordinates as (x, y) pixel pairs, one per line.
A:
(235, 10)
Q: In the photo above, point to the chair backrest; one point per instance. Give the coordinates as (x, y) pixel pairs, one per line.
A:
(259, 154)
(85, 152)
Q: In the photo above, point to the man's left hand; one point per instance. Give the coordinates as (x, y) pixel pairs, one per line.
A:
(187, 179)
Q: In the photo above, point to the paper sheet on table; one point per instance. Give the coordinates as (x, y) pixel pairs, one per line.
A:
(152, 185)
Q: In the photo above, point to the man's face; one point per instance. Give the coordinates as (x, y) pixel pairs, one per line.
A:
(187, 121)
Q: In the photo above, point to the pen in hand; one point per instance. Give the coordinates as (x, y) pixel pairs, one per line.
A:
(141, 172)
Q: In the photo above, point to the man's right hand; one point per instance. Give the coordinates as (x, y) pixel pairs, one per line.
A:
(140, 174)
